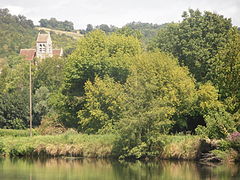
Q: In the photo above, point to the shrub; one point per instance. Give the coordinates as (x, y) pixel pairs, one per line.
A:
(21, 150)
(218, 125)
(223, 145)
(50, 125)
(234, 140)
(2, 149)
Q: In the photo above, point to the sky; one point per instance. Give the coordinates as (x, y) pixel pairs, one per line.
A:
(118, 12)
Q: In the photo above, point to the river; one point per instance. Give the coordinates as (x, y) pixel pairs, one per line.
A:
(92, 169)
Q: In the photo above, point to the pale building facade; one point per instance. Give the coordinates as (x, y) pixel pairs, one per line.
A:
(44, 46)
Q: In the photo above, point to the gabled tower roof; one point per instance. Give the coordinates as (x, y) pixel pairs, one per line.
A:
(42, 38)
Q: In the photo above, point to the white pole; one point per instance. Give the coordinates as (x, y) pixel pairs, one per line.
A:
(30, 97)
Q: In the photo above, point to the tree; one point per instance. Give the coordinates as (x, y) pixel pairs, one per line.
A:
(129, 32)
(219, 124)
(41, 106)
(55, 24)
(157, 89)
(96, 55)
(104, 27)
(89, 28)
(167, 39)
(225, 73)
(196, 40)
(14, 110)
(14, 100)
(147, 30)
(103, 106)
(200, 39)
(49, 73)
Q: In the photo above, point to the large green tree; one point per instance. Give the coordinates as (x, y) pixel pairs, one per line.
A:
(196, 40)
(157, 89)
(226, 72)
(99, 55)
(103, 107)
(14, 96)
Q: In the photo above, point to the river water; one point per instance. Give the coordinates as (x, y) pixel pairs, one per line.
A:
(92, 169)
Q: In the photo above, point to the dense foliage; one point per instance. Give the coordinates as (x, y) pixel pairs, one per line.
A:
(16, 32)
(55, 24)
(195, 40)
(143, 31)
(148, 30)
(188, 82)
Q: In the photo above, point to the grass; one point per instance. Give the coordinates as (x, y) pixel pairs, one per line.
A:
(178, 147)
(79, 145)
(16, 133)
(71, 34)
(18, 143)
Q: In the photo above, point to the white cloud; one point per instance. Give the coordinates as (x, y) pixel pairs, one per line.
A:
(118, 12)
(16, 10)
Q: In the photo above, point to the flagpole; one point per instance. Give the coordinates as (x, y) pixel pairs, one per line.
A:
(30, 97)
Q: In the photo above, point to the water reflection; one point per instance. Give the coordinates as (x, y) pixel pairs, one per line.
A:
(39, 169)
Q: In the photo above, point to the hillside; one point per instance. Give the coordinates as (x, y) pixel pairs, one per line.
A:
(60, 32)
(148, 30)
(18, 32)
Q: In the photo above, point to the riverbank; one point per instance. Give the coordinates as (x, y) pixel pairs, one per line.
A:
(14, 143)
(68, 144)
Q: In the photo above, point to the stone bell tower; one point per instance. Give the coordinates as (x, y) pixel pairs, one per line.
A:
(44, 46)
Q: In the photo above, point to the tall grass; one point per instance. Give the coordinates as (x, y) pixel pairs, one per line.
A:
(18, 143)
(80, 145)
(178, 147)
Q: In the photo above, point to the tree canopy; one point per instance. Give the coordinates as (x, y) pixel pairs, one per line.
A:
(55, 24)
(195, 40)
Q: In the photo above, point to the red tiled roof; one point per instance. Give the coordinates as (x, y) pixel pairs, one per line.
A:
(29, 54)
(42, 38)
(57, 52)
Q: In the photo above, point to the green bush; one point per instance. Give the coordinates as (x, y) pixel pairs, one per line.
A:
(223, 145)
(2, 149)
(21, 150)
(219, 124)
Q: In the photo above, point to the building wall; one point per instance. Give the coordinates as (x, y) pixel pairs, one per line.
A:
(44, 49)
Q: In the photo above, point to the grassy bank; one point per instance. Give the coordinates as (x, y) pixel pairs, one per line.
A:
(68, 144)
(17, 143)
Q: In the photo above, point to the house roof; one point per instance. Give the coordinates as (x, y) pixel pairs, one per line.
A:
(42, 38)
(28, 54)
(57, 52)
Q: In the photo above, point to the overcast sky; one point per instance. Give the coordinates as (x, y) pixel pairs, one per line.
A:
(118, 12)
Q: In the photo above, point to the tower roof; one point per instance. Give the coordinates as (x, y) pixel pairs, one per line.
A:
(42, 38)
(57, 52)
(28, 54)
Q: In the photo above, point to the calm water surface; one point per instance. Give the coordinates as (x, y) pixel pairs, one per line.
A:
(92, 169)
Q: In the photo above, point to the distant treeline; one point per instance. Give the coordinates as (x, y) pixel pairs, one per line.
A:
(144, 31)
(55, 24)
